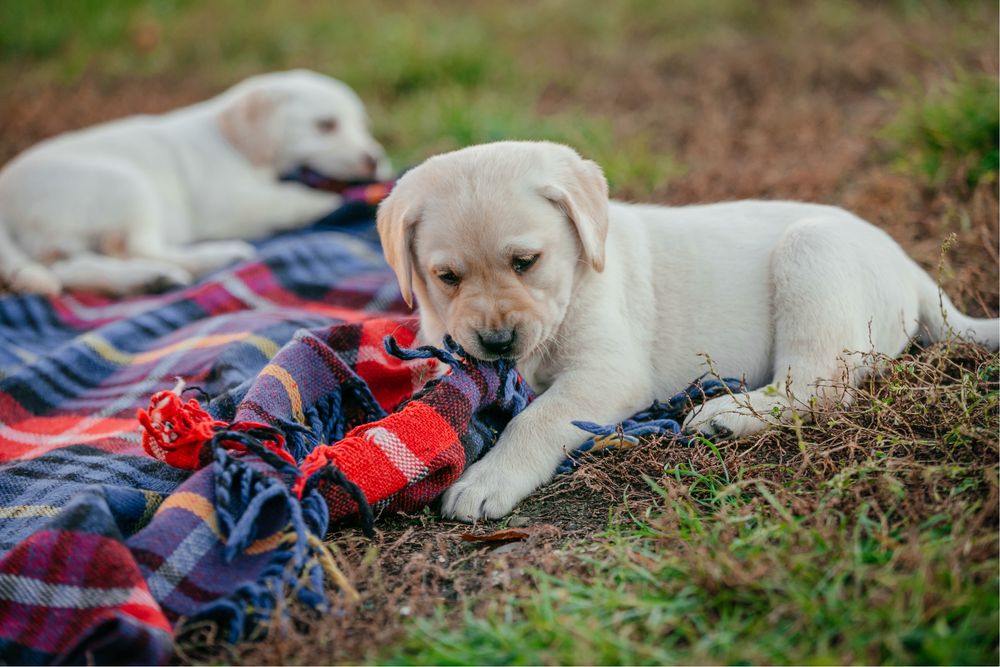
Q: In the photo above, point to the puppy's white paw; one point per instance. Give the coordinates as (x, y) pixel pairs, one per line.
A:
(35, 279)
(728, 417)
(165, 276)
(235, 251)
(213, 255)
(487, 490)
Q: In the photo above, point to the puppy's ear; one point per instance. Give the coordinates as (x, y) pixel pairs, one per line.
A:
(248, 122)
(582, 194)
(396, 221)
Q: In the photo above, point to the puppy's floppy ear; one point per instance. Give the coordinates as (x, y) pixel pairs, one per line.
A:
(582, 194)
(396, 220)
(247, 121)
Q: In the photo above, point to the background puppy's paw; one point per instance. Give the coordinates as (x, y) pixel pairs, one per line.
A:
(485, 491)
(166, 277)
(208, 256)
(35, 279)
(235, 251)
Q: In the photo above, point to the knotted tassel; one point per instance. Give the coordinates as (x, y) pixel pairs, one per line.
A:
(180, 433)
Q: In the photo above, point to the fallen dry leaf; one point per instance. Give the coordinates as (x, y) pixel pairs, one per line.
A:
(499, 536)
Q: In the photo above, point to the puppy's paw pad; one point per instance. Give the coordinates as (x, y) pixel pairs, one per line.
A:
(731, 426)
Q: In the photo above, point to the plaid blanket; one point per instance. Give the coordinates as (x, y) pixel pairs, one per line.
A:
(300, 410)
(105, 550)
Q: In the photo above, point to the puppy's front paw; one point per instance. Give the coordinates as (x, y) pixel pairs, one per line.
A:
(486, 491)
(727, 417)
(34, 279)
(164, 277)
(234, 251)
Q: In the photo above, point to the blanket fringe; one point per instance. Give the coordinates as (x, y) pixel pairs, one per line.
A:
(262, 469)
(298, 566)
(325, 472)
(659, 419)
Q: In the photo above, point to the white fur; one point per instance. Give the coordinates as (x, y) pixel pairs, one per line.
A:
(770, 291)
(161, 199)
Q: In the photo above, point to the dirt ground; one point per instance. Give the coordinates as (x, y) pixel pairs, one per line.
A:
(796, 118)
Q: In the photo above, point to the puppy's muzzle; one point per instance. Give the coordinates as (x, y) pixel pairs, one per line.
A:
(369, 165)
(497, 341)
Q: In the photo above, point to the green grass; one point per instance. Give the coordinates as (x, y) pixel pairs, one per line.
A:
(881, 557)
(751, 584)
(440, 75)
(952, 130)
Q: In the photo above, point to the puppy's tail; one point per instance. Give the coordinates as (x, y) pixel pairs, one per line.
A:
(18, 273)
(938, 315)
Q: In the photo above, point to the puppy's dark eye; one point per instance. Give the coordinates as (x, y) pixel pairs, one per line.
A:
(449, 278)
(524, 262)
(326, 125)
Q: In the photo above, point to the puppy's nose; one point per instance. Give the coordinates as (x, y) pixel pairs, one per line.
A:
(370, 164)
(497, 341)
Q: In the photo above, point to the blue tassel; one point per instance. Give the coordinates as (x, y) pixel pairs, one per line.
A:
(659, 419)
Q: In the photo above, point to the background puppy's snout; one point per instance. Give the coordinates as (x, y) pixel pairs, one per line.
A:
(497, 341)
(369, 164)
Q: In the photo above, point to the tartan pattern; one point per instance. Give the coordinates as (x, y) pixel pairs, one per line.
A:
(104, 549)
(405, 460)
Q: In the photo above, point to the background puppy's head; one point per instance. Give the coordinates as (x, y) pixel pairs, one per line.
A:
(492, 239)
(302, 120)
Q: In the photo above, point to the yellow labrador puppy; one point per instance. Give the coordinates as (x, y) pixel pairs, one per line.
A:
(514, 249)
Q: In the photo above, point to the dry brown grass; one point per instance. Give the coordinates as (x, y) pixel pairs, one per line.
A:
(918, 445)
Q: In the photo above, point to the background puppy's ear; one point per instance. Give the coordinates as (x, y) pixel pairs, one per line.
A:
(395, 222)
(583, 197)
(248, 123)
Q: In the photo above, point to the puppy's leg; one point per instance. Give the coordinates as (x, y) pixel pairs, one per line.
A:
(151, 239)
(832, 302)
(20, 273)
(288, 205)
(200, 258)
(117, 276)
(538, 439)
(274, 207)
(737, 415)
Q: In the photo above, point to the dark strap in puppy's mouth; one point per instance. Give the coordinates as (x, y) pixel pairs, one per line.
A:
(311, 178)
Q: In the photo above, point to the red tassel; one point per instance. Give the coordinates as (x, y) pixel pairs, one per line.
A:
(176, 432)
(312, 464)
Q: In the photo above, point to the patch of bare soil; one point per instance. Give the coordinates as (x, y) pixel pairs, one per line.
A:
(30, 113)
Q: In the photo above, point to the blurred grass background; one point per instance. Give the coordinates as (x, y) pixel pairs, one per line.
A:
(436, 76)
(440, 75)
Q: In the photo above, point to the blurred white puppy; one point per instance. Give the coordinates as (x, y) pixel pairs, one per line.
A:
(158, 200)
(514, 250)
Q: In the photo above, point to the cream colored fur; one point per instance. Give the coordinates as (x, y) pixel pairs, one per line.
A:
(150, 200)
(625, 301)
